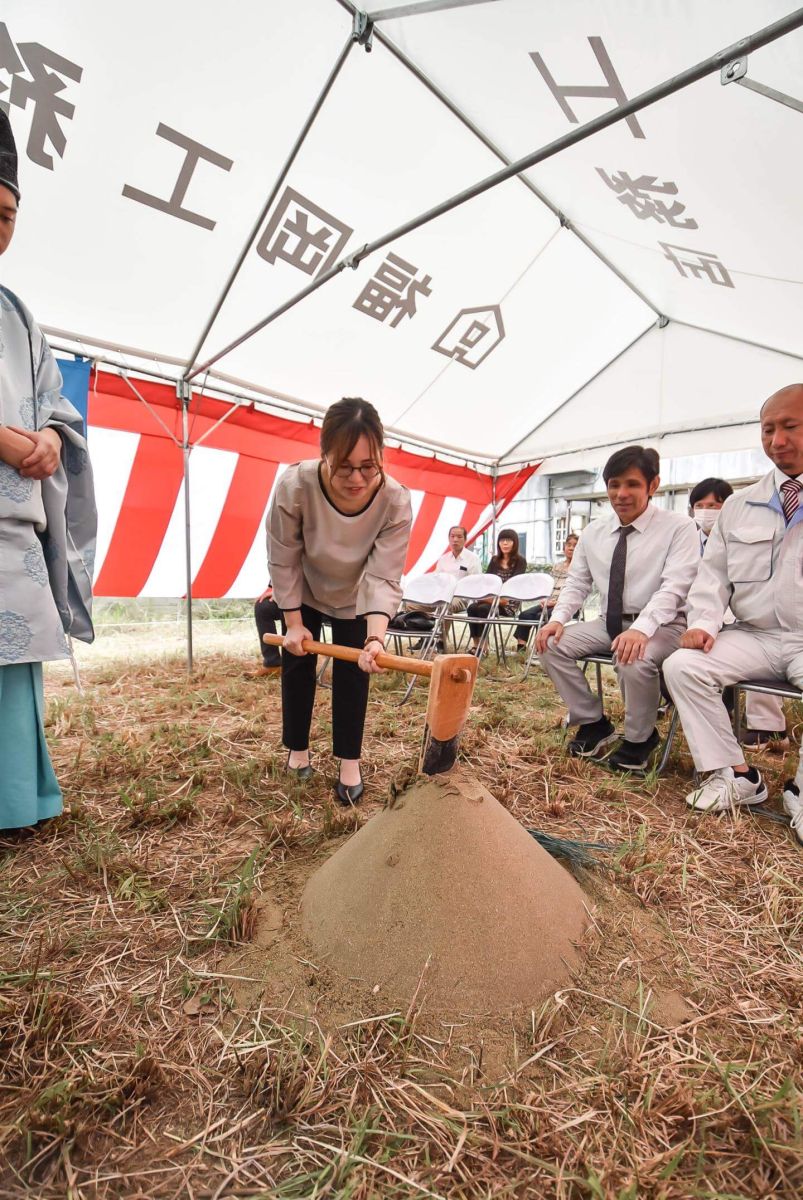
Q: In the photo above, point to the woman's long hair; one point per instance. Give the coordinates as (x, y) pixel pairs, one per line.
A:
(516, 562)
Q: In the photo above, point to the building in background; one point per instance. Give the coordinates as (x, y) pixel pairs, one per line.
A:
(552, 505)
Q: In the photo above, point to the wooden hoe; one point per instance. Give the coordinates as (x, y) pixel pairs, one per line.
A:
(451, 686)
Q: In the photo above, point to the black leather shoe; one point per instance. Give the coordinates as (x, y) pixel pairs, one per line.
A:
(591, 738)
(347, 797)
(634, 756)
(299, 772)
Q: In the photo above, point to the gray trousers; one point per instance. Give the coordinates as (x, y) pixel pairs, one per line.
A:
(639, 681)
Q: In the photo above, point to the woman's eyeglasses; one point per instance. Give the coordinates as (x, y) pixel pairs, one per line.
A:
(368, 472)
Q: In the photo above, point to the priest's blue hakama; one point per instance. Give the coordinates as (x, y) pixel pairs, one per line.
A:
(47, 533)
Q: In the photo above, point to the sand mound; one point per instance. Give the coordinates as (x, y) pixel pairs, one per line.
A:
(447, 874)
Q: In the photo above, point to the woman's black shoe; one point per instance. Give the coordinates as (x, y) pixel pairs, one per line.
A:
(299, 772)
(349, 796)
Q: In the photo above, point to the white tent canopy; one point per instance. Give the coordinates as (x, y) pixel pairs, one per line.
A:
(647, 281)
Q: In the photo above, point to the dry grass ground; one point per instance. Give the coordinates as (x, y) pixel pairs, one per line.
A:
(140, 1060)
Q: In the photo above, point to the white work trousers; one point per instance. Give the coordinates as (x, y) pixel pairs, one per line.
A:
(695, 681)
(764, 712)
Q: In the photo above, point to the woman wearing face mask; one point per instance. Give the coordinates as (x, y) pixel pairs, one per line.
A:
(766, 723)
(338, 530)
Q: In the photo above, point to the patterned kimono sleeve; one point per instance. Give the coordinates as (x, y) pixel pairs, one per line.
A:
(68, 496)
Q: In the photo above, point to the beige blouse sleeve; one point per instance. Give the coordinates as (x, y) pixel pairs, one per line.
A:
(380, 588)
(286, 542)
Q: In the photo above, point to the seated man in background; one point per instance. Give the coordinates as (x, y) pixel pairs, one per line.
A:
(642, 560)
(268, 617)
(560, 573)
(753, 563)
(765, 720)
(456, 561)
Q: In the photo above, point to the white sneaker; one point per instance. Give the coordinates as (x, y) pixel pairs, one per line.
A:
(793, 805)
(724, 790)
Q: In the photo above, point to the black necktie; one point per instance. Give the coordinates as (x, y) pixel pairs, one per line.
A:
(616, 584)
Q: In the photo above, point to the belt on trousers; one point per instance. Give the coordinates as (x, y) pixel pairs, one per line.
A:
(630, 616)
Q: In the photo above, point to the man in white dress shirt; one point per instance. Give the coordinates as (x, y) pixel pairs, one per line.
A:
(642, 560)
(457, 560)
(753, 562)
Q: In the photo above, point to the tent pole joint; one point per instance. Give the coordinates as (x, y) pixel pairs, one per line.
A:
(362, 31)
(354, 259)
(734, 70)
(662, 321)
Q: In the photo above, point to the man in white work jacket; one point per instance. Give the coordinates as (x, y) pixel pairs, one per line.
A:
(753, 562)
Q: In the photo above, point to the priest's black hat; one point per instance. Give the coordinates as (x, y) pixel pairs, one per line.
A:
(8, 155)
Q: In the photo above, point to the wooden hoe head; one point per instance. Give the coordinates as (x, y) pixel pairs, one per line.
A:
(451, 687)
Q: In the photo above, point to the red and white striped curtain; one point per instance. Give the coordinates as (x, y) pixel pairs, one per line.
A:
(233, 472)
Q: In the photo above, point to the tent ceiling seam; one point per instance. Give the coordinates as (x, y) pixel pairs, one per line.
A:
(660, 91)
(653, 325)
(734, 337)
(288, 163)
(489, 144)
(451, 362)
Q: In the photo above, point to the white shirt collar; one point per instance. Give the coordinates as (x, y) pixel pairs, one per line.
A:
(781, 478)
(641, 522)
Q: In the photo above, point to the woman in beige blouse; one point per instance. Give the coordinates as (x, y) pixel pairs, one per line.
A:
(338, 530)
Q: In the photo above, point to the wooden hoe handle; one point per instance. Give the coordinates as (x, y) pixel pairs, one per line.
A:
(393, 662)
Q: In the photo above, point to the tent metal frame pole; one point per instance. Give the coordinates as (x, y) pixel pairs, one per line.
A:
(771, 93)
(708, 66)
(658, 434)
(456, 111)
(659, 324)
(184, 394)
(493, 508)
(418, 7)
(352, 39)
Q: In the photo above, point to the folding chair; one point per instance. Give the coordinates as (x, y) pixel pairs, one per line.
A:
(521, 589)
(766, 687)
(606, 660)
(478, 587)
(435, 592)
